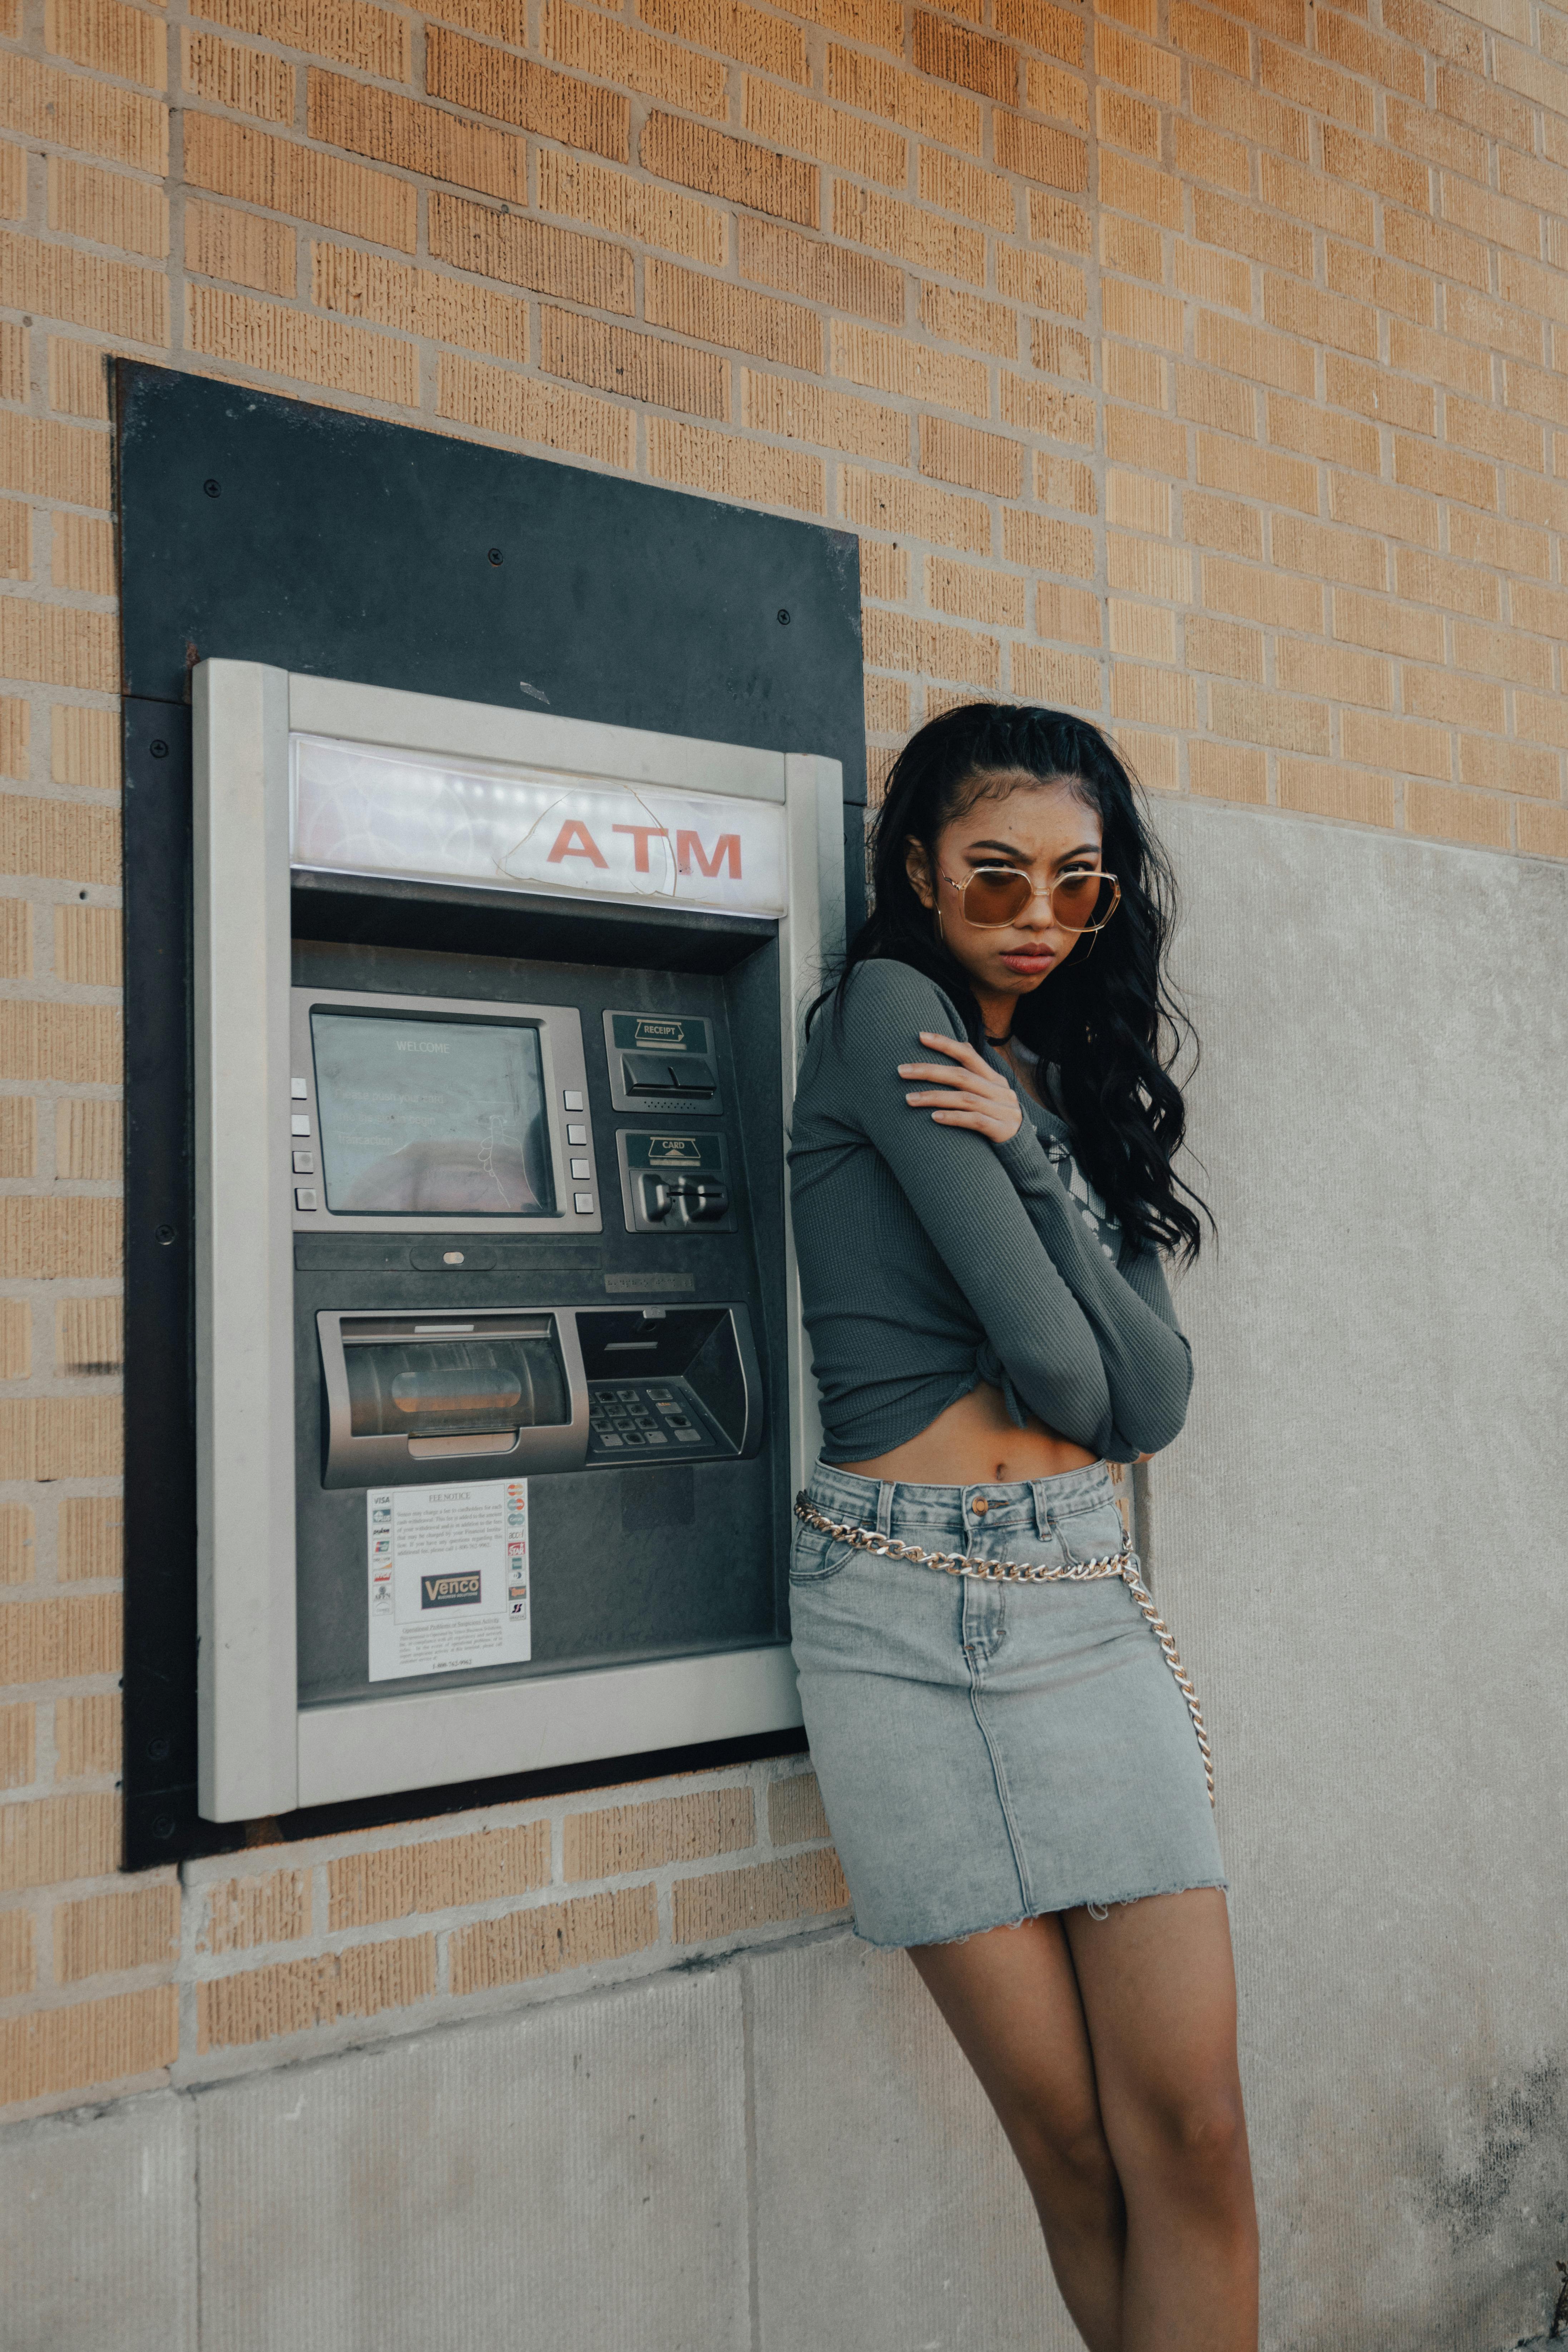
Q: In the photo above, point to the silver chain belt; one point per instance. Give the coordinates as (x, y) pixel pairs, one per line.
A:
(1027, 1571)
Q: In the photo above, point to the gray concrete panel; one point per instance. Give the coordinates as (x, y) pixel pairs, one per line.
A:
(1360, 1540)
(891, 2216)
(567, 2177)
(98, 2230)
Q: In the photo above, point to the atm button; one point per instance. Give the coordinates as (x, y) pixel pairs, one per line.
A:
(575, 1135)
(582, 1168)
(583, 1203)
(304, 1163)
(304, 1196)
(299, 1124)
(608, 1437)
(688, 1437)
(298, 1089)
(573, 1100)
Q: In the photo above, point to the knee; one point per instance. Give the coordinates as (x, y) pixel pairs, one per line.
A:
(1066, 2150)
(1196, 2140)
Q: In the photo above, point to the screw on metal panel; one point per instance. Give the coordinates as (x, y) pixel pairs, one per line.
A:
(157, 1749)
(784, 618)
(163, 1825)
(496, 556)
(214, 489)
(165, 1233)
(159, 749)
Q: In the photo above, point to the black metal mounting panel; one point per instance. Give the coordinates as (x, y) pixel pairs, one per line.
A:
(270, 530)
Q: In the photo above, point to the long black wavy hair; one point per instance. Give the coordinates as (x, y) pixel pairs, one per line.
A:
(1106, 1020)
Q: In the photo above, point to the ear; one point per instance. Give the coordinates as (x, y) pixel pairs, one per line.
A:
(918, 866)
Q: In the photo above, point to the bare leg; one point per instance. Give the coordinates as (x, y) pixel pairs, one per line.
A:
(1012, 2001)
(1158, 1989)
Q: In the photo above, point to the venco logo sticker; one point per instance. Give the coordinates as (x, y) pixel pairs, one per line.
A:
(448, 1592)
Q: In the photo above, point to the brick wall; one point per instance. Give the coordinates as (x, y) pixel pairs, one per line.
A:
(1203, 367)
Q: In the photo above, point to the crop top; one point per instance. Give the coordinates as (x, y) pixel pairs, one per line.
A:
(931, 1259)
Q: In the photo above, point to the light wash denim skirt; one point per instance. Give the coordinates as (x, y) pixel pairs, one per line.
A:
(988, 1752)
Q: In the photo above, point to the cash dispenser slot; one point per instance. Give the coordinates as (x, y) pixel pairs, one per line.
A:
(410, 1399)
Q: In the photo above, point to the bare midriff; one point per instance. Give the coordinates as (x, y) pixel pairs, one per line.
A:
(976, 1442)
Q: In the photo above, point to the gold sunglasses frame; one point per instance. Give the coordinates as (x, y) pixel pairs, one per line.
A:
(1037, 890)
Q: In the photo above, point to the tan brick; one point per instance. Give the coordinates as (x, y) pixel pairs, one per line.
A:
(89, 1336)
(18, 1745)
(1427, 579)
(787, 118)
(1303, 667)
(889, 225)
(1146, 632)
(107, 207)
(1535, 607)
(18, 1152)
(16, 543)
(1274, 599)
(1535, 501)
(1403, 745)
(1133, 247)
(726, 1903)
(1059, 416)
(90, 1534)
(13, 181)
(1502, 652)
(1513, 440)
(88, 1737)
(1157, 697)
(900, 641)
(1534, 389)
(884, 571)
(52, 1839)
(1416, 351)
(1303, 82)
(909, 99)
(393, 130)
(1065, 482)
(1442, 30)
(88, 954)
(1447, 814)
(1131, 374)
(13, 358)
(83, 554)
(1213, 276)
(1217, 649)
(587, 41)
(642, 367)
(275, 1908)
(1044, 544)
(89, 2044)
(1543, 831)
(1256, 716)
(1197, 32)
(62, 1437)
(1228, 772)
(971, 593)
(914, 511)
(515, 89)
(735, 168)
(439, 1874)
(57, 646)
(1316, 432)
(726, 466)
(1540, 719)
(231, 159)
(106, 35)
(1247, 113)
(106, 1934)
(1073, 613)
(85, 747)
(58, 838)
(1217, 400)
(1378, 506)
(491, 398)
(1319, 318)
(351, 32)
(1247, 228)
(1039, 24)
(553, 1936)
(1455, 700)
(88, 1143)
(1041, 673)
(956, 186)
(1297, 545)
(15, 944)
(809, 411)
(713, 310)
(1482, 539)
(1203, 154)
(1122, 120)
(116, 296)
(956, 317)
(1149, 568)
(1328, 788)
(1446, 252)
(1141, 314)
(1226, 465)
(292, 1996)
(1158, 442)
(1445, 472)
(78, 383)
(529, 253)
(894, 363)
(66, 110)
(296, 343)
(887, 706)
(1253, 354)
(776, 256)
(612, 1842)
(1388, 285)
(1537, 184)
(1136, 65)
(1376, 392)
(1435, 137)
(1058, 350)
(241, 246)
(16, 1533)
(1361, 51)
(736, 31)
(373, 286)
(950, 52)
(1135, 502)
(1495, 219)
(225, 73)
(609, 200)
(19, 1961)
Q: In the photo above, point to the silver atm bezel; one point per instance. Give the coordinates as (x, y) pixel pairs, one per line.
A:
(259, 1752)
(566, 1072)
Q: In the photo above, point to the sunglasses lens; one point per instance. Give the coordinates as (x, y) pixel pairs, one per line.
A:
(1080, 901)
(994, 896)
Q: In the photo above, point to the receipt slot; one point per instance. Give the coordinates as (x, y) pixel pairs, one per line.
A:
(500, 1384)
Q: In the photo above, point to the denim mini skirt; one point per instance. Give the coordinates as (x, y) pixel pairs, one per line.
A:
(989, 1752)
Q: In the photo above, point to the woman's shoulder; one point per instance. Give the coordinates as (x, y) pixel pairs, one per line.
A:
(882, 994)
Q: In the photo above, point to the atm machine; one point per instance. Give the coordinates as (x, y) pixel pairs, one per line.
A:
(501, 1387)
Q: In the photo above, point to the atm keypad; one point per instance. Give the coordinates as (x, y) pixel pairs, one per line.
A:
(642, 1419)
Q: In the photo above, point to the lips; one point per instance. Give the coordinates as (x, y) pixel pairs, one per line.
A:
(1027, 961)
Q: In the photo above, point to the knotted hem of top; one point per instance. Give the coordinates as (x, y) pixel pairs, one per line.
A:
(1098, 1906)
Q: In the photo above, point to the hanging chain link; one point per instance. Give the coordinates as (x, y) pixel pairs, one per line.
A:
(1121, 1563)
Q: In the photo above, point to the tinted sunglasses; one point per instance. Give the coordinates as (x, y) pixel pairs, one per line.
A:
(994, 896)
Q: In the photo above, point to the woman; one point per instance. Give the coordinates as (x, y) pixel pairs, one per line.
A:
(1013, 1767)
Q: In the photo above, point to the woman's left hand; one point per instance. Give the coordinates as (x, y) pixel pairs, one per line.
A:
(969, 1093)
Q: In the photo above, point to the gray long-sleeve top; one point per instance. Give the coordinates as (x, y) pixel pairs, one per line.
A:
(931, 1259)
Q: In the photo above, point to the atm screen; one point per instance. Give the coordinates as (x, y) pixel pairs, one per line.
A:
(431, 1117)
